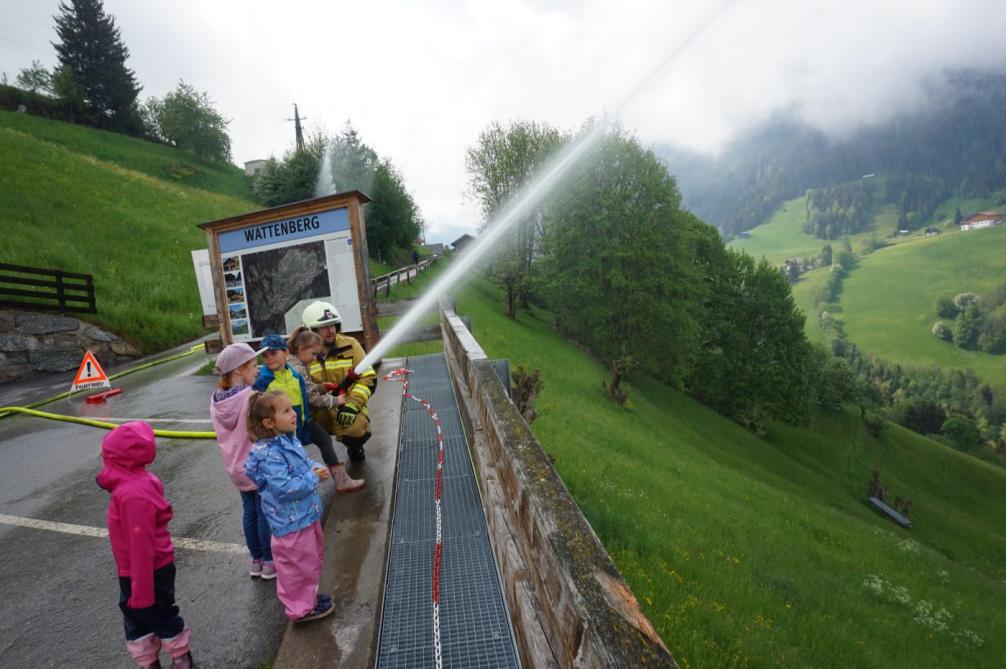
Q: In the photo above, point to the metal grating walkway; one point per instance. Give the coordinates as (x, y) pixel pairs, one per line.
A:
(474, 625)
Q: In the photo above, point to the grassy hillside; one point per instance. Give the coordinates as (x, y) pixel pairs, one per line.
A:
(888, 300)
(782, 236)
(763, 552)
(137, 155)
(121, 209)
(886, 305)
(803, 295)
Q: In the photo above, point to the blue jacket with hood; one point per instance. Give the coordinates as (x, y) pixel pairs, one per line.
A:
(286, 481)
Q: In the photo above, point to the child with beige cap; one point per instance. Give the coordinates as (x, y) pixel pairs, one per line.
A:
(237, 366)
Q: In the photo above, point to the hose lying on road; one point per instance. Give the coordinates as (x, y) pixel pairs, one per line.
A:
(6, 411)
(172, 434)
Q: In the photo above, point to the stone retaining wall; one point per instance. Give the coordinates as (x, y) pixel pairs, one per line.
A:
(32, 344)
(569, 605)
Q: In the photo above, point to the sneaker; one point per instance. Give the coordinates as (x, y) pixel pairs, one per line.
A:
(320, 610)
(256, 569)
(268, 571)
(324, 599)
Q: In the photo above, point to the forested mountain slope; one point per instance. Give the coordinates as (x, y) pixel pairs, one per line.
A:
(954, 146)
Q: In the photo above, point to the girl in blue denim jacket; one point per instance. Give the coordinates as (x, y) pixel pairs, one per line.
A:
(287, 482)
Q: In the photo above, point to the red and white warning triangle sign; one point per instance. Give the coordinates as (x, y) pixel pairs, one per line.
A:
(90, 375)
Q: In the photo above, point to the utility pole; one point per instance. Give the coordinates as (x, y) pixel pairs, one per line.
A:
(297, 129)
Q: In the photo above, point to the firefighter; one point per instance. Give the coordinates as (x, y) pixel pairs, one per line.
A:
(340, 354)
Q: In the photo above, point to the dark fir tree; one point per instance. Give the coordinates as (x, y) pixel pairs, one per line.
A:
(90, 49)
(393, 220)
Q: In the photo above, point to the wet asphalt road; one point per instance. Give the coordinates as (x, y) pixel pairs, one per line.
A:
(60, 594)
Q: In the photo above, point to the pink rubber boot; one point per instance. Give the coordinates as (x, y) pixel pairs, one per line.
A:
(144, 651)
(343, 483)
(179, 648)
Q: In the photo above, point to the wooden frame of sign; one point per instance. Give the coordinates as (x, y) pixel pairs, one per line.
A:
(352, 202)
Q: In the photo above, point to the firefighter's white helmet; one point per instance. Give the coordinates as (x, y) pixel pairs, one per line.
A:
(319, 314)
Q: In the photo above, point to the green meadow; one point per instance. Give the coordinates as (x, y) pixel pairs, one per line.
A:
(83, 200)
(886, 305)
(803, 296)
(782, 236)
(757, 552)
(888, 300)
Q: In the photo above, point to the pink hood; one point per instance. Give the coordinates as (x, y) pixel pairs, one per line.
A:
(230, 422)
(126, 452)
(138, 513)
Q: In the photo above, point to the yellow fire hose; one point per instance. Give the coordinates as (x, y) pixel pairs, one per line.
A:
(172, 434)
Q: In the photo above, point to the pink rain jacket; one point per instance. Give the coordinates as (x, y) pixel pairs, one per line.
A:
(230, 422)
(138, 513)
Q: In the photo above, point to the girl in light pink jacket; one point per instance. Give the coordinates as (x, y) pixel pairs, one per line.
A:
(238, 369)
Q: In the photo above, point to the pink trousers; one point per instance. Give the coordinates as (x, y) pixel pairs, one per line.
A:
(298, 557)
(145, 649)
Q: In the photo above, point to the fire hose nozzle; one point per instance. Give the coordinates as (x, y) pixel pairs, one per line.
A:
(351, 378)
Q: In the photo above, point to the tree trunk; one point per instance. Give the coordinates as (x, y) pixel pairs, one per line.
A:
(618, 368)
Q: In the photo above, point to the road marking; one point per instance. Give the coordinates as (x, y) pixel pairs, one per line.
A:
(157, 420)
(101, 532)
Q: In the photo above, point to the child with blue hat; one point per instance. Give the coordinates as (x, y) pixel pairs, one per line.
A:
(278, 374)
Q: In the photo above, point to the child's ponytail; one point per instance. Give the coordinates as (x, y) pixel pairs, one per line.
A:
(260, 407)
(302, 337)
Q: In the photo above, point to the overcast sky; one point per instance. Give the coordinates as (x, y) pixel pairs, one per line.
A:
(419, 80)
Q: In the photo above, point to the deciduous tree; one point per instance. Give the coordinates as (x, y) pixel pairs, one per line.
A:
(620, 270)
(35, 79)
(503, 160)
(186, 118)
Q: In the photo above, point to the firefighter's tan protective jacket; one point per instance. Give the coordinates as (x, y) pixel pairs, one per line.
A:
(344, 356)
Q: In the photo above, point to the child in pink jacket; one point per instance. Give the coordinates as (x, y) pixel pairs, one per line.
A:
(238, 369)
(138, 516)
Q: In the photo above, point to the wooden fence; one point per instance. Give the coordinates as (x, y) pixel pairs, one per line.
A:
(46, 290)
(400, 275)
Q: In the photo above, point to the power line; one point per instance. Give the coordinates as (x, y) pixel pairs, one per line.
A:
(15, 41)
(24, 16)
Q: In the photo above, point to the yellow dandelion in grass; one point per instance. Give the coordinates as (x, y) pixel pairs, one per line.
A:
(789, 605)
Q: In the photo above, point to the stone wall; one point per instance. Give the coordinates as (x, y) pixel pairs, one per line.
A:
(569, 605)
(33, 343)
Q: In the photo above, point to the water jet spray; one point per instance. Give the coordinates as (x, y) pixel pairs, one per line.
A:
(522, 202)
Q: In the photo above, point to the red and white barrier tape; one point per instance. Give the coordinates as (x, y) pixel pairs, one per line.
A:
(403, 376)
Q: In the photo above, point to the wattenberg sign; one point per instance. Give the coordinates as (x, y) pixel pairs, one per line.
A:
(284, 231)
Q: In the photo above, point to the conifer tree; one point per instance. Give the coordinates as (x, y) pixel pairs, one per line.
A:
(91, 48)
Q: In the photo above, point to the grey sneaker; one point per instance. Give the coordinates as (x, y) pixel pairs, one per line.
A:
(256, 568)
(268, 571)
